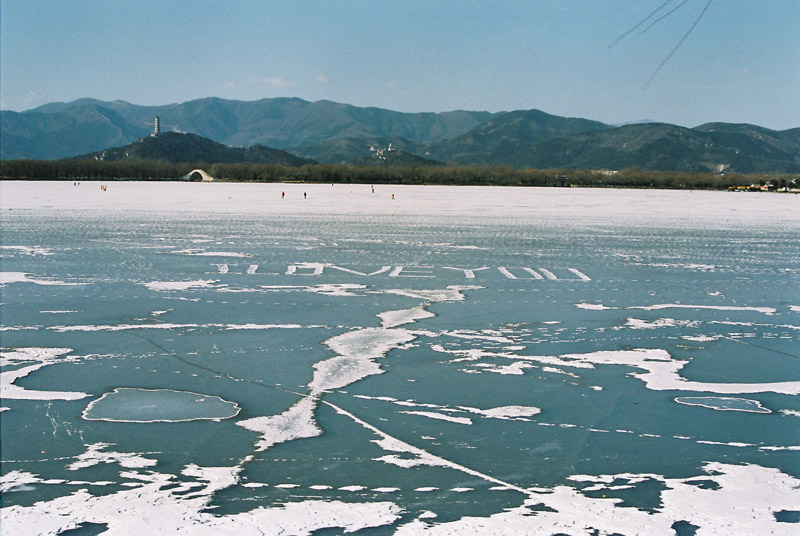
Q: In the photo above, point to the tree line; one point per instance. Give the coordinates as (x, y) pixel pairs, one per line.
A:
(340, 173)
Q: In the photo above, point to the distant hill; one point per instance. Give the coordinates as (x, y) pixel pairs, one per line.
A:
(659, 146)
(349, 150)
(174, 147)
(384, 158)
(70, 131)
(506, 132)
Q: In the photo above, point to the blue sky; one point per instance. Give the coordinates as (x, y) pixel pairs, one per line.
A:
(741, 64)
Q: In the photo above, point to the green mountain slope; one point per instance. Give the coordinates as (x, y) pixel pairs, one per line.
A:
(72, 131)
(665, 147)
(511, 130)
(348, 150)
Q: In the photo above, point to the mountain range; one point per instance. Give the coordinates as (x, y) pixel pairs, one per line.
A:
(330, 132)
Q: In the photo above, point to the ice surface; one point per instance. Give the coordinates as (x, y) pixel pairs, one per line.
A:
(554, 274)
(663, 208)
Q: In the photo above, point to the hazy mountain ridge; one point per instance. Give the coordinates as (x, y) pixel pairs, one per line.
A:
(330, 132)
(281, 123)
(661, 146)
(501, 134)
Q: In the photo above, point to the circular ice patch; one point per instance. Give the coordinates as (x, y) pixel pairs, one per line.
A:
(158, 405)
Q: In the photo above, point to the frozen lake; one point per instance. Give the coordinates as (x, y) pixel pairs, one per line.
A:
(444, 360)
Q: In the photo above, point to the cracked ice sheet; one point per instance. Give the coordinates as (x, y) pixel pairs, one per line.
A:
(500, 412)
(356, 351)
(730, 509)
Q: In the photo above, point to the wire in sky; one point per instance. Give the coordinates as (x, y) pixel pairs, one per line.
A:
(652, 76)
(652, 13)
(662, 17)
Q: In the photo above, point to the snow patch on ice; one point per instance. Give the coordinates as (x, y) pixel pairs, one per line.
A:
(635, 323)
(391, 319)
(22, 277)
(508, 412)
(451, 294)
(662, 371)
(440, 416)
(30, 250)
(357, 351)
(593, 306)
(660, 306)
(295, 423)
(336, 289)
(701, 338)
(94, 456)
(196, 252)
(165, 286)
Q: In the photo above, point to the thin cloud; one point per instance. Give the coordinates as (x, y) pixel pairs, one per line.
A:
(274, 82)
(396, 88)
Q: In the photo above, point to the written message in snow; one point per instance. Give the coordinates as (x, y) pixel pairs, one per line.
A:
(416, 271)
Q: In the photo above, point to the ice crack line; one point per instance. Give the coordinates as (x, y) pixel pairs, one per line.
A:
(425, 457)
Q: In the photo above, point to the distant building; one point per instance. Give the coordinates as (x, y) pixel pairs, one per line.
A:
(156, 128)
